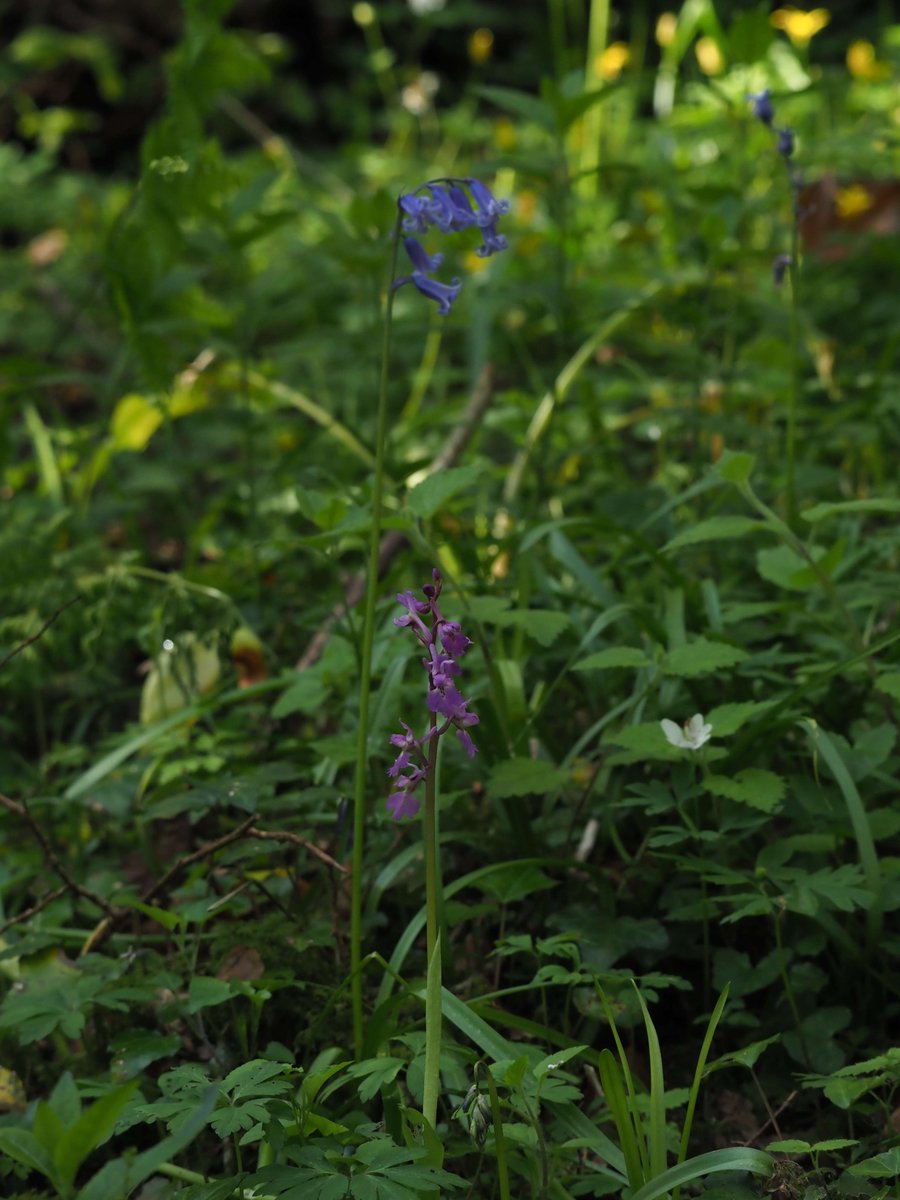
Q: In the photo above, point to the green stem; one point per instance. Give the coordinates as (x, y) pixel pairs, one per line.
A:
(794, 393)
(433, 1013)
(365, 672)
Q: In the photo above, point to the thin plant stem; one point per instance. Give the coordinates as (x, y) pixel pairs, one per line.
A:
(794, 393)
(433, 1013)
(365, 671)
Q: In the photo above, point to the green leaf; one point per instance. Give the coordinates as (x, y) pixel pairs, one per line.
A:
(702, 657)
(552, 1061)
(733, 1159)
(716, 529)
(23, 1147)
(543, 625)
(614, 656)
(432, 494)
(881, 1166)
(135, 1050)
(735, 467)
(93, 1127)
(787, 569)
(510, 882)
(727, 719)
(788, 1146)
(818, 512)
(761, 789)
(525, 777)
(889, 684)
(206, 992)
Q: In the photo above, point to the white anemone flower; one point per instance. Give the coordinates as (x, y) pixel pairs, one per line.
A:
(689, 736)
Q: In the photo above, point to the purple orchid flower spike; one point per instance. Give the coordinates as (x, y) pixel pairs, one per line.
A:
(444, 642)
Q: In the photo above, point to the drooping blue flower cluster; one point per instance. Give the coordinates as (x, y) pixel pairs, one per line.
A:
(444, 643)
(764, 111)
(447, 207)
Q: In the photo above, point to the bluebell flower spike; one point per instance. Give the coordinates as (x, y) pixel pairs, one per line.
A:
(448, 207)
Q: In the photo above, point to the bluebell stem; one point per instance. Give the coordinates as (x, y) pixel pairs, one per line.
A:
(444, 643)
(449, 209)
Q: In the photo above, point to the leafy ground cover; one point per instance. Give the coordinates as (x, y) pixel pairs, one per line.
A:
(630, 927)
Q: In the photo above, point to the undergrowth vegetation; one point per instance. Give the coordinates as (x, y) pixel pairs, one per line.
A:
(631, 929)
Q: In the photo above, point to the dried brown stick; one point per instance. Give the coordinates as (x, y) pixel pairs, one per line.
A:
(245, 830)
(392, 541)
(73, 885)
(27, 913)
(40, 633)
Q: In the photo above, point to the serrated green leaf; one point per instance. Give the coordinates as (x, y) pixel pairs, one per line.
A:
(715, 529)
(543, 625)
(727, 719)
(429, 496)
(762, 790)
(701, 657)
(613, 657)
(524, 777)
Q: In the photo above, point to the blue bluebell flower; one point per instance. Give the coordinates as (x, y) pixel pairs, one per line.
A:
(449, 209)
(762, 106)
(785, 142)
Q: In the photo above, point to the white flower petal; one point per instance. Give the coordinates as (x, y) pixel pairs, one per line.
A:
(674, 734)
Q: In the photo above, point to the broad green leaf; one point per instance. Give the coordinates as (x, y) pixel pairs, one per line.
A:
(787, 569)
(206, 992)
(543, 625)
(889, 683)
(716, 529)
(881, 1166)
(432, 494)
(727, 719)
(524, 777)
(91, 1129)
(788, 1146)
(510, 882)
(23, 1147)
(760, 789)
(614, 656)
(702, 657)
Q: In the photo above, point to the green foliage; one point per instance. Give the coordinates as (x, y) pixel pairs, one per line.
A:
(594, 449)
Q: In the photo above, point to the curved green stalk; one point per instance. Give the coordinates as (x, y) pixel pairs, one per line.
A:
(365, 671)
(433, 942)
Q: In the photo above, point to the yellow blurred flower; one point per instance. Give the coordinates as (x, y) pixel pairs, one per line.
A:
(852, 201)
(481, 43)
(526, 204)
(666, 28)
(363, 14)
(862, 62)
(473, 263)
(801, 27)
(709, 56)
(610, 63)
(504, 133)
